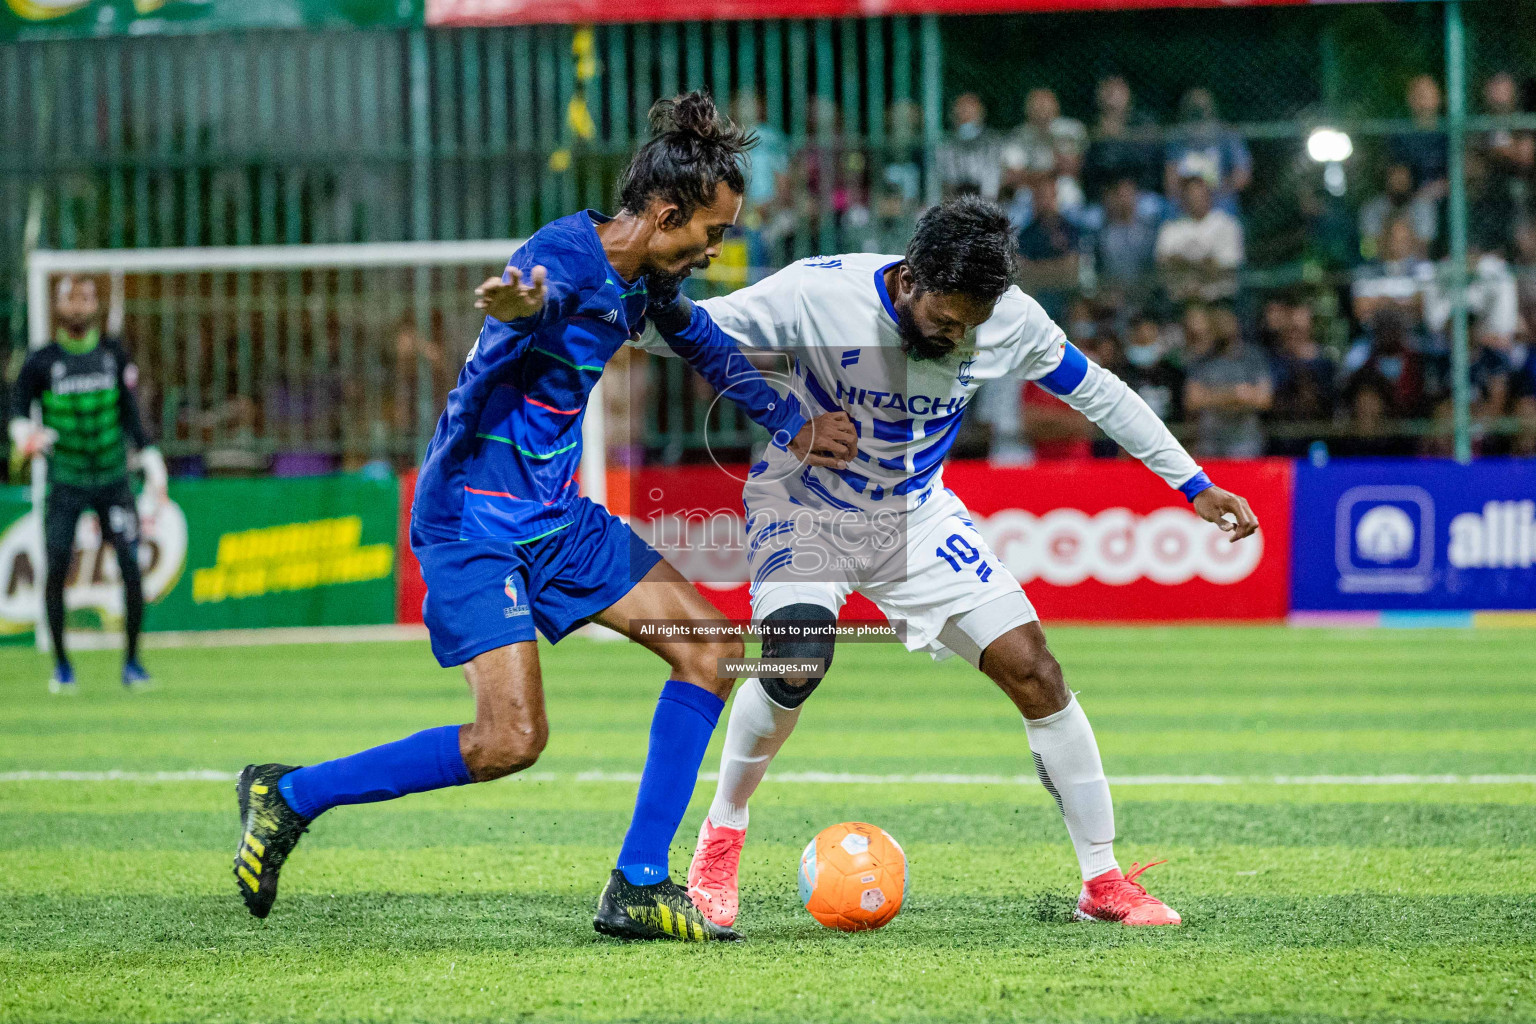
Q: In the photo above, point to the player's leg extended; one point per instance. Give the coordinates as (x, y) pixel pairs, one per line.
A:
(278, 802)
(640, 900)
(61, 513)
(120, 522)
(1066, 756)
(762, 717)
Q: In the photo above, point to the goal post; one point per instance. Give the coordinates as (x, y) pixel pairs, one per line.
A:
(345, 352)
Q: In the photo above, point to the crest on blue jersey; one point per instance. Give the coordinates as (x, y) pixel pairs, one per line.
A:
(510, 586)
(964, 376)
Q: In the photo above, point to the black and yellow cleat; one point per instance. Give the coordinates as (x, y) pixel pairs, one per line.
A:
(660, 911)
(270, 829)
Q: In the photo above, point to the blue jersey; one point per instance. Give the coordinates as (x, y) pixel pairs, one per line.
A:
(503, 462)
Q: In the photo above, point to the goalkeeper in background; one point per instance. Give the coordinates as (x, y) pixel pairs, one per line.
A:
(85, 383)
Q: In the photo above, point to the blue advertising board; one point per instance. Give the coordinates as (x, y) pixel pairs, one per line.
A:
(1414, 534)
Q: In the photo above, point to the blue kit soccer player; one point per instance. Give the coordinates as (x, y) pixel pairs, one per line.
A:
(507, 545)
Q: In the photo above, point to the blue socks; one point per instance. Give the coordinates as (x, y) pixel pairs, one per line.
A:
(427, 760)
(685, 719)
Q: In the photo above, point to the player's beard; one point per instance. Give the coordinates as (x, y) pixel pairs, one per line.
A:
(917, 345)
(661, 286)
(75, 326)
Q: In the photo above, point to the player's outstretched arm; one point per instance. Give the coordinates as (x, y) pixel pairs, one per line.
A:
(828, 440)
(1120, 412)
(512, 299)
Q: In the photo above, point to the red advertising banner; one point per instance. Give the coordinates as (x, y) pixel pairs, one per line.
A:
(1089, 540)
(530, 12)
(410, 588)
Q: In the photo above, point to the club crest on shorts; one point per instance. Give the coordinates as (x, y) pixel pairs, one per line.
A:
(509, 587)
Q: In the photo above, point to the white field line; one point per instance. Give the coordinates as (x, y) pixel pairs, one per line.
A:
(850, 778)
(97, 641)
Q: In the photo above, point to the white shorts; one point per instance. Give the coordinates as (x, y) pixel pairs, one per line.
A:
(930, 569)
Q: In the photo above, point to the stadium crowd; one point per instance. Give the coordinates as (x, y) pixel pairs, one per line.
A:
(1331, 329)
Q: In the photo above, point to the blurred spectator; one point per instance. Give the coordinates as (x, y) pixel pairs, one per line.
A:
(1491, 297)
(768, 189)
(1491, 373)
(898, 183)
(1274, 321)
(1047, 144)
(1227, 391)
(1123, 143)
(1198, 339)
(1400, 278)
(1398, 200)
(1125, 237)
(1510, 153)
(970, 159)
(1524, 410)
(1388, 351)
(1151, 370)
(903, 173)
(1303, 372)
(1492, 378)
(1206, 148)
(1423, 149)
(1491, 208)
(768, 161)
(1525, 281)
(830, 174)
(1200, 252)
(1048, 250)
(1367, 399)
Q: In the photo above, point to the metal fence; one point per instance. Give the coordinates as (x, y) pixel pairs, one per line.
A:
(286, 137)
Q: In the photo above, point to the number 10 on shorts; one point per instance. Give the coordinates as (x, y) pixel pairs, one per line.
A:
(958, 551)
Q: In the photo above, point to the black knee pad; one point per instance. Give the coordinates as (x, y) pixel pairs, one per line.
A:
(797, 631)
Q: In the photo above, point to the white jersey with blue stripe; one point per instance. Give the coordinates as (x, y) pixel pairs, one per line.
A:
(833, 317)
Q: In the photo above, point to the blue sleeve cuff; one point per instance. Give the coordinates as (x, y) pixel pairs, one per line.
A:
(793, 423)
(1069, 373)
(1195, 484)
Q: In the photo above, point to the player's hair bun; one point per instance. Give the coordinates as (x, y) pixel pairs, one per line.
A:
(692, 149)
(694, 114)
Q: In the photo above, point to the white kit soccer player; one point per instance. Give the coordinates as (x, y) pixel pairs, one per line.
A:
(866, 334)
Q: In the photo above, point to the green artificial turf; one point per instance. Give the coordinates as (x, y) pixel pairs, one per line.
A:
(1322, 902)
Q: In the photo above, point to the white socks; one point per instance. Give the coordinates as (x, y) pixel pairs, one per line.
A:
(756, 730)
(1067, 761)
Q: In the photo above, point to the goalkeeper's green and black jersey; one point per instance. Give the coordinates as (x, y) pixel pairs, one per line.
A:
(86, 391)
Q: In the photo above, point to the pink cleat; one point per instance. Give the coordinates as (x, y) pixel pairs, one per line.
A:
(1115, 897)
(712, 875)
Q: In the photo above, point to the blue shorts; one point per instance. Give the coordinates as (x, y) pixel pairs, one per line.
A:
(484, 594)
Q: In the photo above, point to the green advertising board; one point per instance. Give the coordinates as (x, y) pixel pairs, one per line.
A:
(52, 19)
(223, 554)
(19, 595)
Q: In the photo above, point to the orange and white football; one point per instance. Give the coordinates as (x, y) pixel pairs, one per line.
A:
(853, 877)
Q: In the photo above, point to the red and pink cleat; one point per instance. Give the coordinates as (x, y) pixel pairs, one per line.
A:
(712, 875)
(1113, 897)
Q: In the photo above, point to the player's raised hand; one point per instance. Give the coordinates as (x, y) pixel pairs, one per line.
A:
(30, 439)
(827, 440)
(1214, 504)
(512, 299)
